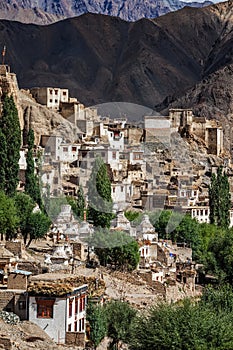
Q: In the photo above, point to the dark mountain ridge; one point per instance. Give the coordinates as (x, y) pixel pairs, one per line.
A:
(102, 59)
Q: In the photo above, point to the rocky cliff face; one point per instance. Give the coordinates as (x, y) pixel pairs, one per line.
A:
(212, 95)
(48, 11)
(42, 120)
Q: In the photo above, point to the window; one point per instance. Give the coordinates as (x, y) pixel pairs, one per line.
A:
(76, 305)
(65, 149)
(206, 211)
(50, 100)
(81, 325)
(70, 307)
(76, 326)
(44, 308)
(22, 305)
(64, 93)
(56, 101)
(51, 91)
(113, 155)
(82, 304)
(74, 149)
(69, 328)
(55, 180)
(114, 189)
(122, 188)
(137, 156)
(56, 92)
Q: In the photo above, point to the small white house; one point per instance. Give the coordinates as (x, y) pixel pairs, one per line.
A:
(201, 213)
(50, 96)
(60, 316)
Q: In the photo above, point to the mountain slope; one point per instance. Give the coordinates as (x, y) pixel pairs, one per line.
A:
(14, 11)
(212, 97)
(102, 59)
(48, 11)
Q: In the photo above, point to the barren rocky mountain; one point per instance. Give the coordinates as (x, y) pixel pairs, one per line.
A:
(102, 59)
(14, 11)
(48, 11)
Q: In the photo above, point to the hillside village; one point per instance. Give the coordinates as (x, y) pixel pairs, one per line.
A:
(159, 162)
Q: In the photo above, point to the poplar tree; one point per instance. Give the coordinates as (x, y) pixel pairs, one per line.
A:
(220, 199)
(31, 180)
(80, 202)
(2, 161)
(98, 323)
(99, 195)
(10, 128)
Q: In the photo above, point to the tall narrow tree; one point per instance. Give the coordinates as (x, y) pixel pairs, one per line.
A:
(2, 161)
(99, 195)
(220, 199)
(31, 180)
(10, 127)
(80, 203)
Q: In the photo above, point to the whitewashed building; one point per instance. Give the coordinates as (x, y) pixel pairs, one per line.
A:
(50, 97)
(59, 316)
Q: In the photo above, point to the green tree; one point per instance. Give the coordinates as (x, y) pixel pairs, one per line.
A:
(32, 187)
(120, 316)
(159, 220)
(9, 220)
(37, 226)
(98, 323)
(220, 257)
(219, 199)
(99, 195)
(178, 228)
(187, 325)
(3, 155)
(116, 249)
(24, 206)
(134, 216)
(10, 127)
(80, 203)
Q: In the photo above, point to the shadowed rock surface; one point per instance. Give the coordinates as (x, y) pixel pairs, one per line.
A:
(102, 59)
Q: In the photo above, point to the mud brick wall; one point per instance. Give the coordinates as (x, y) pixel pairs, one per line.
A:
(15, 248)
(17, 281)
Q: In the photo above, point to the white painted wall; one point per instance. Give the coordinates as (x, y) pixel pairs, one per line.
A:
(54, 327)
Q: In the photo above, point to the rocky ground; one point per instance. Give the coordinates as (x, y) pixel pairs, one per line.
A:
(26, 335)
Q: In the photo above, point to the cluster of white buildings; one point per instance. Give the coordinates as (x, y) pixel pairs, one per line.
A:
(147, 162)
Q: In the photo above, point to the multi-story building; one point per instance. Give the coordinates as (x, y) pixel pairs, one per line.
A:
(50, 97)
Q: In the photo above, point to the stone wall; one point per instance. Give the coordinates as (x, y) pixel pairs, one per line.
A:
(6, 299)
(14, 302)
(74, 338)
